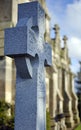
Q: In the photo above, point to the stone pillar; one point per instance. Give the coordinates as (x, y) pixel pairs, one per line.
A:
(55, 98)
(47, 31)
(52, 91)
(65, 47)
(57, 78)
(67, 102)
(74, 100)
(55, 85)
(60, 86)
(52, 101)
(13, 81)
(57, 39)
(65, 42)
(58, 101)
(47, 93)
(8, 80)
(2, 78)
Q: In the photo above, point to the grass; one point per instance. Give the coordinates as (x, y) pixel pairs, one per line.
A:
(78, 128)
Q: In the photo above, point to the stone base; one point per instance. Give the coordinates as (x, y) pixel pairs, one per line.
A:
(76, 118)
(69, 121)
(63, 126)
(53, 125)
(60, 125)
(69, 124)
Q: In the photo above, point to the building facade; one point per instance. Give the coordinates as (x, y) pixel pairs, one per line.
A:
(62, 98)
(78, 89)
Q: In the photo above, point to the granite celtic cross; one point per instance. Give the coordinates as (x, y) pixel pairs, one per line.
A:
(25, 43)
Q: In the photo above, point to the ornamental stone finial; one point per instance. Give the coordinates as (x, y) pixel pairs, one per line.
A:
(56, 28)
(57, 35)
(65, 39)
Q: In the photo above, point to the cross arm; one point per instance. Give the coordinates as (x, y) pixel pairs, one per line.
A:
(19, 41)
(48, 54)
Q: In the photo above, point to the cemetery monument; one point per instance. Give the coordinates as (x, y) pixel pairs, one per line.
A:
(25, 43)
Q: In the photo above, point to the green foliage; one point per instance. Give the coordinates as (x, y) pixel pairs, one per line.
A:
(8, 121)
(78, 128)
(5, 119)
(47, 120)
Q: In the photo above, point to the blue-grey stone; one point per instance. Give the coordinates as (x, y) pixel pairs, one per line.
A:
(25, 43)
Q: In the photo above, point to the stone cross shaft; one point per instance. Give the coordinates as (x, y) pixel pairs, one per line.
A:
(25, 43)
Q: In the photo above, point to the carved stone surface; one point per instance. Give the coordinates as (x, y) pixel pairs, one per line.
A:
(26, 44)
(5, 10)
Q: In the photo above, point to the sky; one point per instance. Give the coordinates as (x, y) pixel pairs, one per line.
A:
(67, 13)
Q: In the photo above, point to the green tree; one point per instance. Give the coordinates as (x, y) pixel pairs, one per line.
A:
(5, 119)
(47, 120)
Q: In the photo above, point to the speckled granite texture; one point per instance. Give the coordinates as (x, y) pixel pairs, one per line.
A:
(25, 43)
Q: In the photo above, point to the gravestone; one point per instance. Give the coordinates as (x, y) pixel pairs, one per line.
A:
(25, 43)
